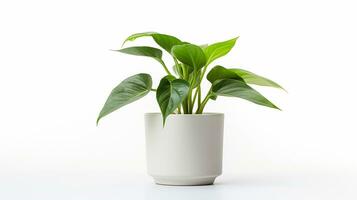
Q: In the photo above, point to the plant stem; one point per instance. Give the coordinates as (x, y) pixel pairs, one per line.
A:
(190, 92)
(199, 82)
(189, 101)
(179, 108)
(204, 102)
(163, 64)
(186, 101)
(184, 106)
(199, 96)
(152, 89)
(195, 96)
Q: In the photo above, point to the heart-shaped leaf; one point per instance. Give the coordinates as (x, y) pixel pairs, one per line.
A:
(219, 49)
(251, 78)
(219, 72)
(166, 41)
(170, 94)
(190, 54)
(129, 90)
(143, 51)
(238, 88)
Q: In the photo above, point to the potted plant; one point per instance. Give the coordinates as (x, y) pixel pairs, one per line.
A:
(184, 144)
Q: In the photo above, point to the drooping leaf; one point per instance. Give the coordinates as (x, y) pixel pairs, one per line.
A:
(190, 54)
(143, 51)
(219, 72)
(129, 90)
(219, 49)
(170, 94)
(163, 40)
(238, 88)
(251, 78)
(137, 35)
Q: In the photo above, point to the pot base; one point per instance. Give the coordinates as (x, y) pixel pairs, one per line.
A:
(184, 181)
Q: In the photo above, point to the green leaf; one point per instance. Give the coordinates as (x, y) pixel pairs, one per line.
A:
(137, 35)
(219, 49)
(148, 52)
(143, 51)
(166, 41)
(219, 72)
(190, 54)
(238, 88)
(255, 79)
(170, 94)
(163, 40)
(129, 90)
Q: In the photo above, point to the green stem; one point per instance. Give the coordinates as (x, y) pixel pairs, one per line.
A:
(179, 109)
(189, 101)
(204, 102)
(163, 64)
(189, 108)
(199, 96)
(194, 97)
(152, 89)
(200, 80)
(190, 91)
(184, 106)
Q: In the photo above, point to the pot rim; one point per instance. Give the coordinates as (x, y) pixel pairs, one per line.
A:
(186, 115)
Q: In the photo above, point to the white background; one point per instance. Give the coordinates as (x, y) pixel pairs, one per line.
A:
(56, 71)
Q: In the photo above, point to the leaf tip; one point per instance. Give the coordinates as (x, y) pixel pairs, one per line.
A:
(163, 121)
(284, 89)
(276, 107)
(276, 85)
(97, 122)
(272, 105)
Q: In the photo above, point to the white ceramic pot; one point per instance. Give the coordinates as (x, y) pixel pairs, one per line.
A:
(187, 150)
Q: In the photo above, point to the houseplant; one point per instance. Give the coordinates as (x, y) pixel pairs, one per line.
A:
(184, 144)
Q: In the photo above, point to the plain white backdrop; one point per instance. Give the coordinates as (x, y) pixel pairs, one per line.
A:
(56, 71)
